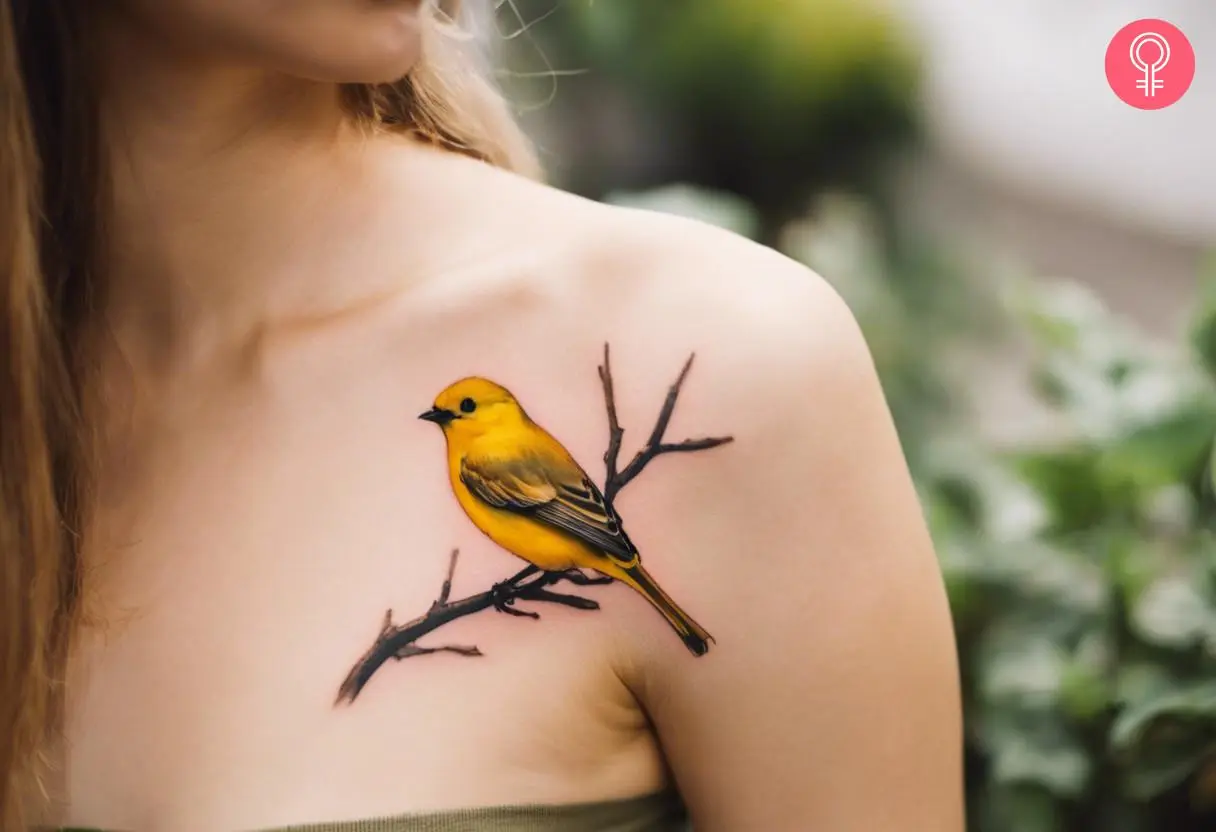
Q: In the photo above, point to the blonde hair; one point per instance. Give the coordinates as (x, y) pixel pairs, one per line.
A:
(449, 99)
(52, 188)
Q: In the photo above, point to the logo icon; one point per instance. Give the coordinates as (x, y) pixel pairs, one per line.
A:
(1150, 64)
(1150, 83)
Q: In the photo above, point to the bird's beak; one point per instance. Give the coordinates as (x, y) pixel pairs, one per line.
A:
(437, 415)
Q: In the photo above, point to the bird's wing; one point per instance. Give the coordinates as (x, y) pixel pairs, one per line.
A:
(551, 491)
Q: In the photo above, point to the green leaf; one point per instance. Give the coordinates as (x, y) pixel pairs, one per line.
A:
(1169, 451)
(1175, 612)
(1141, 681)
(1164, 739)
(1148, 778)
(1058, 315)
(1021, 666)
(1070, 582)
(1195, 703)
(1203, 328)
(1070, 482)
(1085, 689)
(1063, 770)
(1020, 808)
(1033, 746)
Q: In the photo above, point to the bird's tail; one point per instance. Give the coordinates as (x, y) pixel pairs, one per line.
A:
(694, 636)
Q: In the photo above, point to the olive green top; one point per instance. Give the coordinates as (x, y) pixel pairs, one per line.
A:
(663, 812)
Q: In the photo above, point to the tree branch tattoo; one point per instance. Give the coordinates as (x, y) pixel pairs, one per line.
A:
(523, 489)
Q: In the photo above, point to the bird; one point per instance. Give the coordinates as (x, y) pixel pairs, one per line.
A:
(523, 489)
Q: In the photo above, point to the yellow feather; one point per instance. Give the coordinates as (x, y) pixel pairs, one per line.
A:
(525, 492)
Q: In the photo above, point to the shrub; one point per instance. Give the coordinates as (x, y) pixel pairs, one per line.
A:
(1080, 568)
(769, 99)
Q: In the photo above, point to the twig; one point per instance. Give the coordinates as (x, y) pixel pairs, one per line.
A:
(615, 431)
(400, 641)
(655, 446)
(446, 589)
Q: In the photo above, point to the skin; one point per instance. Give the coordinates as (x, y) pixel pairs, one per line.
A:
(287, 298)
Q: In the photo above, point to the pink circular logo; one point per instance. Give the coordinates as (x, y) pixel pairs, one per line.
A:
(1150, 64)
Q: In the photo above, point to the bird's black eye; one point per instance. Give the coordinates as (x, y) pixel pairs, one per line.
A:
(467, 405)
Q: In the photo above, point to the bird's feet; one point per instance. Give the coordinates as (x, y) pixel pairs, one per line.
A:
(502, 596)
(580, 578)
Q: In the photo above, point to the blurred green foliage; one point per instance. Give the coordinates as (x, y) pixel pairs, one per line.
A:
(1082, 576)
(768, 99)
(1080, 569)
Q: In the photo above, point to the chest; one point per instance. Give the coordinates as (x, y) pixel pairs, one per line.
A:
(244, 566)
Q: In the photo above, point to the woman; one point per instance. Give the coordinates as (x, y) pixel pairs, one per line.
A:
(240, 257)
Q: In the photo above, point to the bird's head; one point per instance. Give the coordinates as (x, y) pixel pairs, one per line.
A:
(473, 406)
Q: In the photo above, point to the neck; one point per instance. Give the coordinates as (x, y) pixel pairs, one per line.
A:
(218, 173)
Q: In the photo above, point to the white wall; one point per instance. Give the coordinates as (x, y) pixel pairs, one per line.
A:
(1017, 88)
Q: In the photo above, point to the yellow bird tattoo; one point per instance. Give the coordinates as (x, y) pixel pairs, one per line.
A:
(525, 492)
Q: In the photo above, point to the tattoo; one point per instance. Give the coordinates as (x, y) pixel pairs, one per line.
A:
(523, 490)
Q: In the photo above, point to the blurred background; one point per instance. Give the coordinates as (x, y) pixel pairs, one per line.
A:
(1032, 261)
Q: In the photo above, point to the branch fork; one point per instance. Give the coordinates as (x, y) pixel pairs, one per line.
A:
(400, 641)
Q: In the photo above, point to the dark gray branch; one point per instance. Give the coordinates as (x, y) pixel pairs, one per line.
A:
(400, 641)
(614, 481)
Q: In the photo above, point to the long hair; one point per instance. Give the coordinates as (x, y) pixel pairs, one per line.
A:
(52, 211)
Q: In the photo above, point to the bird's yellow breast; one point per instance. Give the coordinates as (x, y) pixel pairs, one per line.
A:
(523, 536)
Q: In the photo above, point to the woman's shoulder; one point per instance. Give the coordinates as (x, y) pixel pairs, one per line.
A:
(672, 283)
(800, 545)
(565, 274)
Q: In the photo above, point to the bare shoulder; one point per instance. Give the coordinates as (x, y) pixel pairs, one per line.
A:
(718, 288)
(656, 285)
(764, 326)
(777, 348)
(673, 282)
(800, 546)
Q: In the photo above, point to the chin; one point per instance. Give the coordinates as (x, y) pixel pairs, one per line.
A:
(386, 52)
(382, 68)
(343, 41)
(378, 50)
